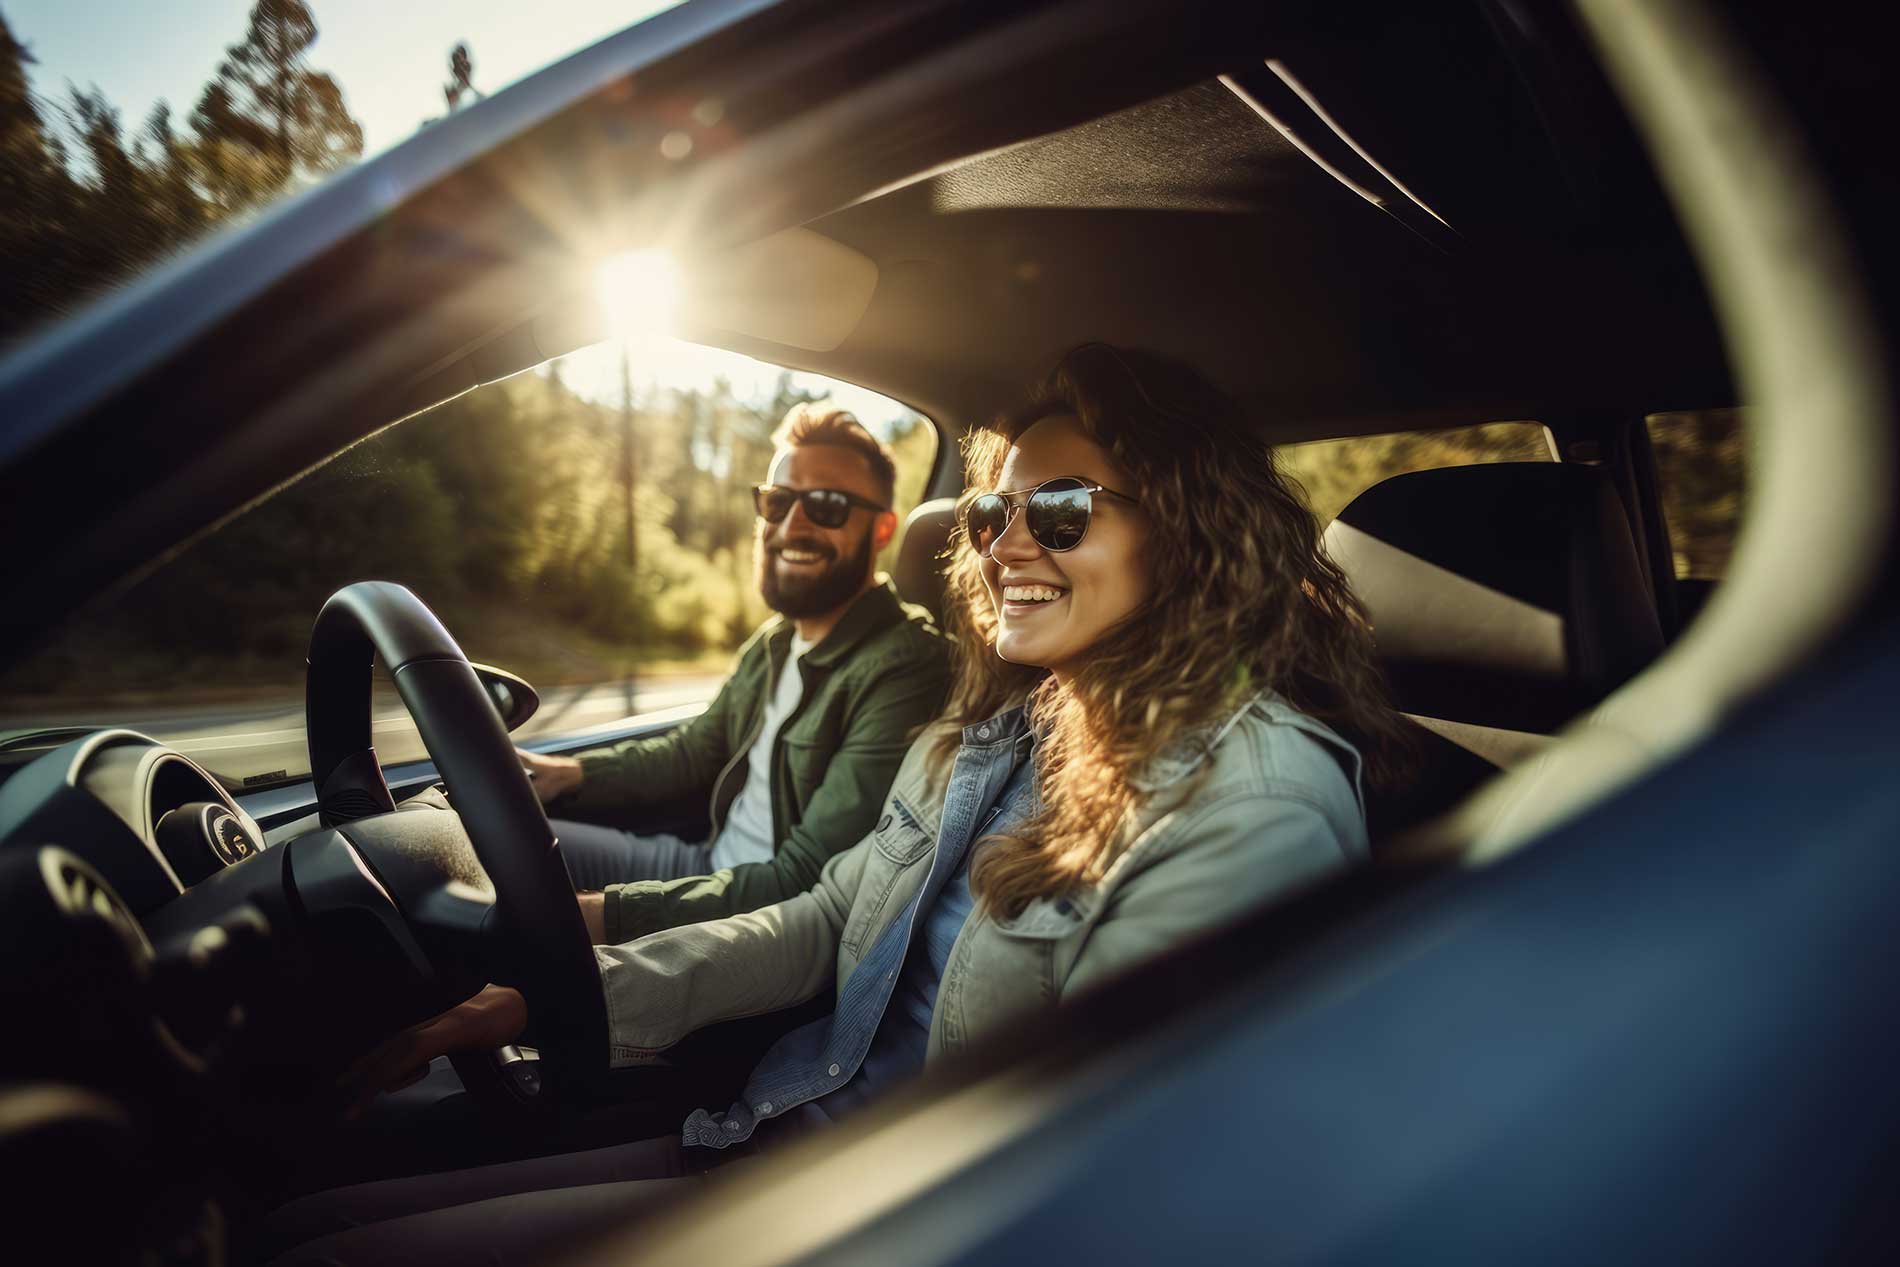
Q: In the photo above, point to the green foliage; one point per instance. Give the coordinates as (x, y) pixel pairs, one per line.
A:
(268, 120)
(1333, 472)
(505, 510)
(267, 123)
(913, 443)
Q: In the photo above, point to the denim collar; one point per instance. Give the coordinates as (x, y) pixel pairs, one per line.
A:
(1005, 727)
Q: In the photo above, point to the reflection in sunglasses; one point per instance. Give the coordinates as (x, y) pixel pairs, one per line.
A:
(1057, 514)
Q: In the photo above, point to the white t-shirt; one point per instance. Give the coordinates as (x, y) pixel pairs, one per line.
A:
(747, 835)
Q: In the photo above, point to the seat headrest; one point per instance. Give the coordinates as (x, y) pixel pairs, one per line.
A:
(1507, 594)
(919, 569)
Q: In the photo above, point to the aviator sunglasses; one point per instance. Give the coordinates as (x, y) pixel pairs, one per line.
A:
(825, 507)
(1057, 513)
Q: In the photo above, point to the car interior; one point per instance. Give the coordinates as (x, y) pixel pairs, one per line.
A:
(1359, 218)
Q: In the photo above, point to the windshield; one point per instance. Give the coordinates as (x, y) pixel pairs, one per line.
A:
(129, 131)
(587, 525)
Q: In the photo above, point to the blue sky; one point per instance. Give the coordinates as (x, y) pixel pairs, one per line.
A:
(391, 58)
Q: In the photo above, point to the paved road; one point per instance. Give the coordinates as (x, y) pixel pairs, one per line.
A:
(265, 736)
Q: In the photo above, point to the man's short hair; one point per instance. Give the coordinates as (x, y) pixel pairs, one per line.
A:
(815, 422)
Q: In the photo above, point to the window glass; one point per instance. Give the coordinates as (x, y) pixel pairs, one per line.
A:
(506, 511)
(1701, 467)
(1333, 472)
(133, 129)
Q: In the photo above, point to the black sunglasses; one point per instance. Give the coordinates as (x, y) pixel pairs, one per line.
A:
(1058, 513)
(826, 507)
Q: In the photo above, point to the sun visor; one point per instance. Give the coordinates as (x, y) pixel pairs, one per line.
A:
(797, 288)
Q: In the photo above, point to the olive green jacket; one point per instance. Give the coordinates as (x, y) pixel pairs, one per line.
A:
(881, 673)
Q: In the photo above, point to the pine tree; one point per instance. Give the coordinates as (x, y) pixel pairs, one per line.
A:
(174, 201)
(23, 156)
(34, 190)
(269, 120)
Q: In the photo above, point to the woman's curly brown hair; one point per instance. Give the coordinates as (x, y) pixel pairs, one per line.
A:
(1242, 597)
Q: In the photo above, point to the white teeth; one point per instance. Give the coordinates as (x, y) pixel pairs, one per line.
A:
(798, 556)
(1030, 593)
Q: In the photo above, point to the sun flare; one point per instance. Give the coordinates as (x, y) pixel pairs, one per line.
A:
(639, 292)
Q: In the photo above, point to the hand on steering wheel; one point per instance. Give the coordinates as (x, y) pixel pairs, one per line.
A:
(493, 1018)
(532, 935)
(552, 776)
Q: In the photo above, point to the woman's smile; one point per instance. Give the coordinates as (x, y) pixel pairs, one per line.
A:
(1022, 599)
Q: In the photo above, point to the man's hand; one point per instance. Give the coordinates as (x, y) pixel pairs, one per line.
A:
(594, 915)
(552, 776)
(494, 1018)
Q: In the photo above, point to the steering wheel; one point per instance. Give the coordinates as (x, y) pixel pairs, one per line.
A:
(532, 935)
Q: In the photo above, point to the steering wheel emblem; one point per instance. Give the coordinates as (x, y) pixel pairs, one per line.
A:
(228, 838)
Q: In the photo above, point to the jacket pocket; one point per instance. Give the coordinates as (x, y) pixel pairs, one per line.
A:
(806, 763)
(900, 834)
(1051, 919)
(899, 843)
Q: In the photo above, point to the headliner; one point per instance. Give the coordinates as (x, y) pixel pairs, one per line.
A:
(1189, 224)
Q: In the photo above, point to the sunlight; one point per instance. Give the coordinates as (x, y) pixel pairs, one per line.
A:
(639, 292)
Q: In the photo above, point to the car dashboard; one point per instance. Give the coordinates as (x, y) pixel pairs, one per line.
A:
(150, 820)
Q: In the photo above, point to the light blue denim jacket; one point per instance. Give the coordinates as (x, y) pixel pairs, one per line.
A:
(1277, 808)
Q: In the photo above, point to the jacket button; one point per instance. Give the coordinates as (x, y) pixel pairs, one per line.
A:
(884, 823)
(762, 1108)
(1064, 907)
(731, 1125)
(833, 1071)
(983, 731)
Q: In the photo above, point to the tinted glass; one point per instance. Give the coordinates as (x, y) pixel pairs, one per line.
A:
(986, 519)
(1701, 465)
(1333, 472)
(1059, 514)
(176, 134)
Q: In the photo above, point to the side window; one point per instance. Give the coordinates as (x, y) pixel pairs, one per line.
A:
(1701, 466)
(616, 577)
(1333, 472)
(913, 442)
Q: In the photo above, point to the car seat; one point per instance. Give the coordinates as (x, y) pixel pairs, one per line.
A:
(920, 554)
(1505, 599)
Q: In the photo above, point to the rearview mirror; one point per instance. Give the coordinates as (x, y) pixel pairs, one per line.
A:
(514, 700)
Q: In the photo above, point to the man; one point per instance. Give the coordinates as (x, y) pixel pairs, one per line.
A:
(798, 749)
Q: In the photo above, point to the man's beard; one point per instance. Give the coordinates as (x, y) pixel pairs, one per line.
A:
(818, 593)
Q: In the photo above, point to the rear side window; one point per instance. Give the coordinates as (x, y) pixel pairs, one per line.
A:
(1703, 473)
(1333, 472)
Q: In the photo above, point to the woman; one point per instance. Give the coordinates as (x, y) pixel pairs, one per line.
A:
(1156, 667)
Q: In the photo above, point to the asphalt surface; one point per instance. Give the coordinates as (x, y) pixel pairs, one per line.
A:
(262, 737)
